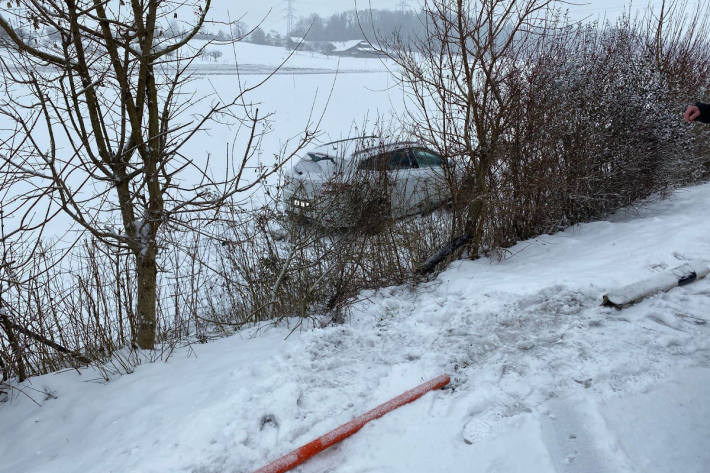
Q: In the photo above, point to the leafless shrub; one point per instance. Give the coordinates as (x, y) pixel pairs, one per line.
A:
(553, 123)
(79, 309)
(598, 126)
(276, 266)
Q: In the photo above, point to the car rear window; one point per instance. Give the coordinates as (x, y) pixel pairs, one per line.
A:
(427, 159)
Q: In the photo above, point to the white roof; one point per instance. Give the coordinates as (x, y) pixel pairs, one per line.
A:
(341, 46)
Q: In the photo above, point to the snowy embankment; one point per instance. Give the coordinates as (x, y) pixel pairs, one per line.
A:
(543, 378)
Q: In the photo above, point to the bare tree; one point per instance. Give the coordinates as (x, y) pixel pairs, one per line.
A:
(102, 116)
(460, 81)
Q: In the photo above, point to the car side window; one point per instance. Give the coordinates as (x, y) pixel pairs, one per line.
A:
(399, 160)
(373, 163)
(427, 159)
(390, 161)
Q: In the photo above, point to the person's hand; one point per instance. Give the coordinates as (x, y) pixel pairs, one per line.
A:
(691, 113)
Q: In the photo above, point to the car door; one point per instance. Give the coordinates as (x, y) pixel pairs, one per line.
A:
(388, 176)
(429, 183)
(401, 170)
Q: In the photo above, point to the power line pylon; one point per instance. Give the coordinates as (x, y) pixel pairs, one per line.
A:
(290, 16)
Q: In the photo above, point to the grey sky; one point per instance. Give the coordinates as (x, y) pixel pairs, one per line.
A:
(254, 10)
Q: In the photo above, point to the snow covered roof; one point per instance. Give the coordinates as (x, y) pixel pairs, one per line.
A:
(342, 46)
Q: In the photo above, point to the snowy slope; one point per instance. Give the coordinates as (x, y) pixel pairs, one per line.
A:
(543, 378)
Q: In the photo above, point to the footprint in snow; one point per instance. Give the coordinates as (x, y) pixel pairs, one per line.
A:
(269, 428)
(477, 429)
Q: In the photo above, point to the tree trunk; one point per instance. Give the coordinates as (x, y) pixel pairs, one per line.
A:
(477, 210)
(145, 307)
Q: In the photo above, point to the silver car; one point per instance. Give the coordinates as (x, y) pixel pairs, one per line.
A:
(352, 182)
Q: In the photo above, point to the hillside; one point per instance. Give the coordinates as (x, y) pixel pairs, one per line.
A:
(543, 378)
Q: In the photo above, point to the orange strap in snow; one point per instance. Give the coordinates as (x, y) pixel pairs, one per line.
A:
(313, 448)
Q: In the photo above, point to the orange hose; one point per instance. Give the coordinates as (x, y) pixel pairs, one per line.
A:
(313, 448)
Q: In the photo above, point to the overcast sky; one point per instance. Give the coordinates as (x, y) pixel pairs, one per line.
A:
(254, 10)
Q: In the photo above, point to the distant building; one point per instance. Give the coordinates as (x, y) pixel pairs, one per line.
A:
(354, 48)
(351, 48)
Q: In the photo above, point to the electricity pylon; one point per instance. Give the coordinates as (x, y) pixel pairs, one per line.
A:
(289, 17)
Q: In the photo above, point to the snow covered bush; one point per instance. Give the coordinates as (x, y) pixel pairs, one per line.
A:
(555, 123)
(599, 127)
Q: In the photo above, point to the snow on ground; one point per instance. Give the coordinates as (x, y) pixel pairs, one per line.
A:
(256, 58)
(344, 96)
(543, 378)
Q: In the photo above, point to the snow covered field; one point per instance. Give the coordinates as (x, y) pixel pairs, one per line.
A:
(252, 57)
(343, 96)
(543, 378)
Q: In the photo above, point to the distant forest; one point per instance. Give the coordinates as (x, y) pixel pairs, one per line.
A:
(351, 25)
(347, 26)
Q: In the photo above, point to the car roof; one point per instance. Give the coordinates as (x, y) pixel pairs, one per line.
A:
(359, 147)
(387, 147)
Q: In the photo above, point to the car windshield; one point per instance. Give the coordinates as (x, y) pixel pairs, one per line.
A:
(427, 159)
(320, 157)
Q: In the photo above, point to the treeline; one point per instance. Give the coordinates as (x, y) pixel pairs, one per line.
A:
(360, 24)
(343, 26)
